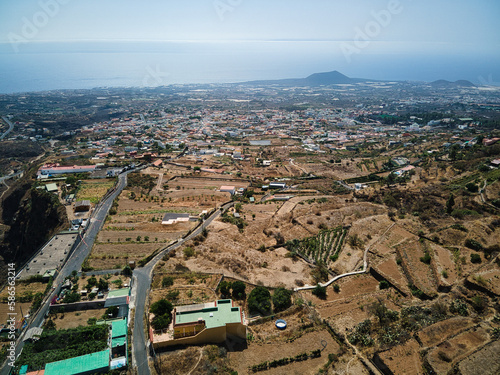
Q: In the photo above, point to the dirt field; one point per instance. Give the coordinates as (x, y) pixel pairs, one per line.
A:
(22, 288)
(76, 318)
(404, 359)
(93, 190)
(193, 288)
(453, 350)
(276, 349)
(21, 309)
(117, 256)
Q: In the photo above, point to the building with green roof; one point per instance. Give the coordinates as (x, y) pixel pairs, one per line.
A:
(83, 365)
(119, 354)
(202, 323)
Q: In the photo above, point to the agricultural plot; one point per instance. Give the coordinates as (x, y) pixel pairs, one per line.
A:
(93, 190)
(324, 247)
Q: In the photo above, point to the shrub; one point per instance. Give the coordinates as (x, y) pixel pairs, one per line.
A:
(167, 281)
(188, 252)
(336, 288)
(161, 307)
(426, 258)
(224, 289)
(127, 271)
(282, 299)
(459, 306)
(475, 258)
(473, 244)
(319, 291)
(478, 303)
(238, 290)
(384, 284)
(472, 187)
(259, 300)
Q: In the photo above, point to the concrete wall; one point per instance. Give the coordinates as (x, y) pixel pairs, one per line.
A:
(183, 330)
(208, 336)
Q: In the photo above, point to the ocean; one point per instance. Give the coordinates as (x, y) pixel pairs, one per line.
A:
(85, 65)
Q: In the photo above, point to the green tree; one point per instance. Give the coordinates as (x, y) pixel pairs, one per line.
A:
(282, 299)
(449, 204)
(475, 258)
(111, 312)
(167, 281)
(102, 284)
(319, 291)
(160, 321)
(238, 290)
(224, 289)
(259, 300)
(161, 307)
(127, 271)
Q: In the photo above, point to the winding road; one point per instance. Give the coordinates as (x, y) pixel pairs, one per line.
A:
(142, 281)
(75, 260)
(11, 127)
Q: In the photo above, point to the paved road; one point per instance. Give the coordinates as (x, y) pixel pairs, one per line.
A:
(142, 282)
(11, 127)
(76, 259)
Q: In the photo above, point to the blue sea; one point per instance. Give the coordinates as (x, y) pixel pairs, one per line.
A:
(83, 65)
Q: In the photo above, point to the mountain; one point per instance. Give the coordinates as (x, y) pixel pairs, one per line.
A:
(337, 78)
(316, 79)
(442, 83)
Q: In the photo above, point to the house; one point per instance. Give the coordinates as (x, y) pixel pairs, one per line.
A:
(490, 142)
(173, 218)
(402, 171)
(495, 163)
(277, 185)
(51, 188)
(203, 323)
(52, 169)
(119, 354)
(228, 189)
(93, 363)
(157, 163)
(82, 206)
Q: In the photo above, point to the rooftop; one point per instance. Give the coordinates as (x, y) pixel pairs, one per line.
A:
(175, 216)
(219, 314)
(119, 292)
(118, 328)
(89, 363)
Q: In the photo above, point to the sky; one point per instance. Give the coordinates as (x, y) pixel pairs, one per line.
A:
(349, 36)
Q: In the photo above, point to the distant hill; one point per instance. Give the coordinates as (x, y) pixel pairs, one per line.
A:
(316, 79)
(337, 78)
(448, 84)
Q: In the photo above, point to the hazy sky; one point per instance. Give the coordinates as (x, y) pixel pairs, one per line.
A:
(459, 22)
(324, 34)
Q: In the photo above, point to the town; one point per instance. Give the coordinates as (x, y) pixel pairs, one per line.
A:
(260, 227)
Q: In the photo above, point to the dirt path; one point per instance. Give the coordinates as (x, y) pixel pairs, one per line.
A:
(197, 363)
(365, 264)
(159, 183)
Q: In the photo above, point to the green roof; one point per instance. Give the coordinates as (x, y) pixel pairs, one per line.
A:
(118, 342)
(84, 364)
(51, 187)
(220, 315)
(119, 292)
(118, 328)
